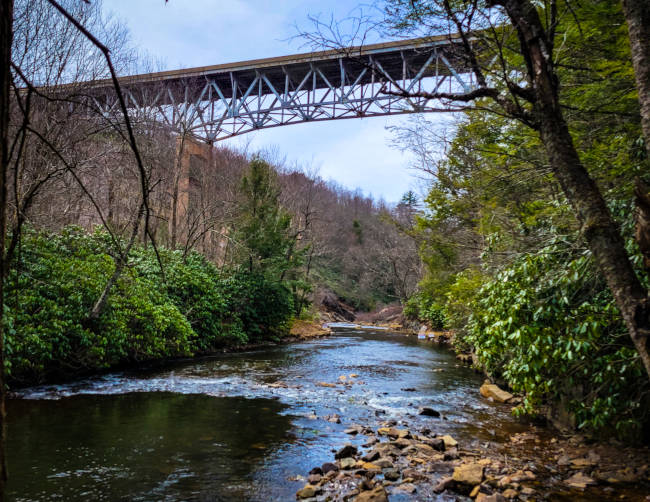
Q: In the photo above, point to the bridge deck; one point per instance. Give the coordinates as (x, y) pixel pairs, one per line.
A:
(394, 57)
(221, 101)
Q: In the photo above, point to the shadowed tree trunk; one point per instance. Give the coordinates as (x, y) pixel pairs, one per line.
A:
(6, 36)
(637, 15)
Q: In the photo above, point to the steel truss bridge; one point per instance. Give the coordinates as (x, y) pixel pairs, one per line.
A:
(213, 103)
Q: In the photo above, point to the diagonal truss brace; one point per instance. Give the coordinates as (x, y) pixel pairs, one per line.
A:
(216, 107)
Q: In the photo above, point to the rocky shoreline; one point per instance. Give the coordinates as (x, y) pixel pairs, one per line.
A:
(401, 461)
(397, 461)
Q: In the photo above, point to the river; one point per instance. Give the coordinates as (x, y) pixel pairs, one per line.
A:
(236, 426)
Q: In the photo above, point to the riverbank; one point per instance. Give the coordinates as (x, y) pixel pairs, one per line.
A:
(398, 460)
(300, 331)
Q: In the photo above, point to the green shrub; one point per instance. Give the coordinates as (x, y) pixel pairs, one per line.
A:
(548, 325)
(194, 308)
(422, 308)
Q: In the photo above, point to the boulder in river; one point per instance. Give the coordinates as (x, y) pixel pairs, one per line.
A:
(495, 392)
(428, 412)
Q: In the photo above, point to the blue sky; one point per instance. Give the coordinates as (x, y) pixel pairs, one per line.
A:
(186, 33)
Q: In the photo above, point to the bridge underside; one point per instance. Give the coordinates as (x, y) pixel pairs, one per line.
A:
(219, 102)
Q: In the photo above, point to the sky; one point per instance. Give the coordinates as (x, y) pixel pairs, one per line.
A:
(186, 33)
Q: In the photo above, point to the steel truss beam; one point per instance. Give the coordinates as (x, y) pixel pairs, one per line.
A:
(220, 102)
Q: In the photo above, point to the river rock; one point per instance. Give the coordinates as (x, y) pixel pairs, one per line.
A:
(372, 440)
(367, 484)
(387, 449)
(495, 392)
(383, 463)
(391, 475)
(581, 463)
(510, 494)
(347, 463)
(428, 412)
(579, 481)
(314, 479)
(413, 474)
(401, 443)
(347, 451)
(329, 467)
(405, 488)
(369, 466)
(437, 444)
(393, 433)
(516, 477)
(468, 474)
(316, 470)
(371, 455)
(425, 450)
(307, 492)
(443, 484)
(325, 384)
(449, 441)
(377, 494)
(495, 497)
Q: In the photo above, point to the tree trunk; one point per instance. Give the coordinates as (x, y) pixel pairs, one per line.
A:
(601, 233)
(637, 15)
(6, 37)
(101, 302)
(177, 180)
(600, 230)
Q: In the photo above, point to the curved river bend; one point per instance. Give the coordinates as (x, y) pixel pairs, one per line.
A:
(237, 426)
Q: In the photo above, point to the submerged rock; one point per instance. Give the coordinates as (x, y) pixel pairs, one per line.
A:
(579, 481)
(406, 488)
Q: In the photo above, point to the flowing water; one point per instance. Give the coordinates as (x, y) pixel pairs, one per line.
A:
(235, 426)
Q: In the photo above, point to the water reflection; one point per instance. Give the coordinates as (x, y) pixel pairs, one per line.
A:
(145, 446)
